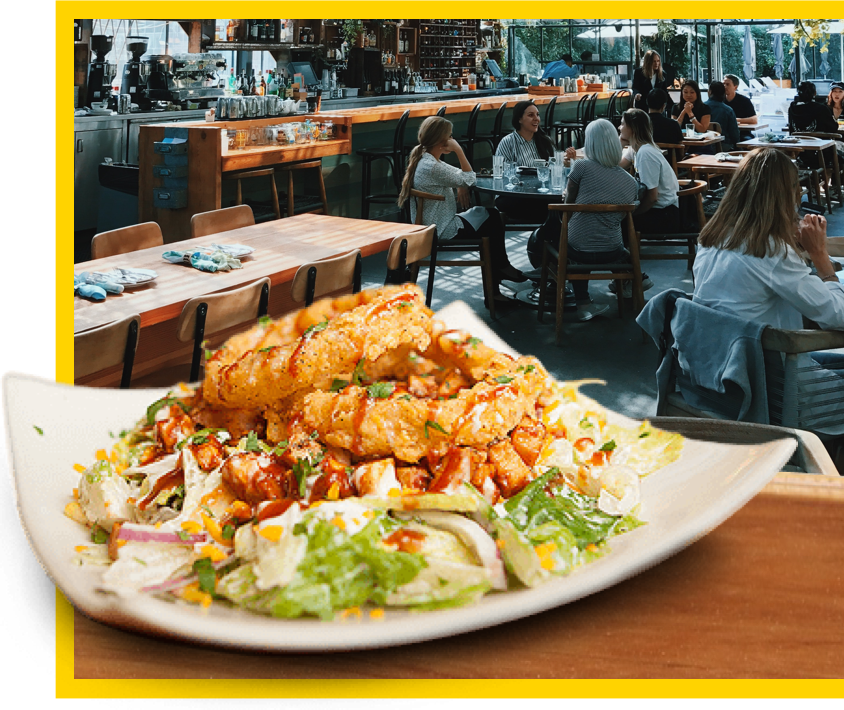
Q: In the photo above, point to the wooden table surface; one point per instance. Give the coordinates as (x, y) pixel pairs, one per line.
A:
(707, 164)
(759, 597)
(281, 247)
(801, 144)
(699, 142)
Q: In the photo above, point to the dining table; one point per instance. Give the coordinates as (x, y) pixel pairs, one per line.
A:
(800, 144)
(280, 248)
(708, 164)
(757, 597)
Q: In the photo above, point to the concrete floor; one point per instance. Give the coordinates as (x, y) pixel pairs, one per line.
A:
(607, 347)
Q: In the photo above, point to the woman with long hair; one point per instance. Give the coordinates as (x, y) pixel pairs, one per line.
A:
(692, 110)
(523, 146)
(595, 238)
(835, 100)
(659, 207)
(748, 261)
(426, 172)
(651, 75)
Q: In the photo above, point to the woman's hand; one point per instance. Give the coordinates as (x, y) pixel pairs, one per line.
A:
(637, 97)
(571, 153)
(452, 146)
(689, 108)
(812, 235)
(463, 200)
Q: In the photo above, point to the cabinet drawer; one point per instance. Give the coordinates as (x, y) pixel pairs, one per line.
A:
(170, 171)
(169, 199)
(172, 146)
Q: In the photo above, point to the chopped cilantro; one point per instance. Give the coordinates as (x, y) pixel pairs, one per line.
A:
(406, 398)
(529, 369)
(339, 385)
(380, 390)
(264, 321)
(139, 561)
(197, 438)
(280, 448)
(99, 535)
(228, 531)
(608, 446)
(207, 575)
(503, 379)
(314, 434)
(267, 349)
(38, 429)
(208, 511)
(357, 373)
(252, 443)
(302, 469)
(433, 425)
(585, 423)
(209, 354)
(349, 470)
(316, 327)
(156, 406)
(182, 535)
(473, 342)
(644, 434)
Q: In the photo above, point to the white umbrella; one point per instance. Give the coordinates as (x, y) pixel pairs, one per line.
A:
(610, 31)
(749, 54)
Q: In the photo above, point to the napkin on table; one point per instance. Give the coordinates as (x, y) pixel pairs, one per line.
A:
(216, 260)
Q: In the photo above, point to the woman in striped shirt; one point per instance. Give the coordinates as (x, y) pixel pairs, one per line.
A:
(525, 144)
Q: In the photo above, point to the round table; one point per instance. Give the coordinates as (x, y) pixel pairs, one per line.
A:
(527, 188)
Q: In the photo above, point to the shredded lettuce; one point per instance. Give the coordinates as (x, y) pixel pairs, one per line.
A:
(338, 571)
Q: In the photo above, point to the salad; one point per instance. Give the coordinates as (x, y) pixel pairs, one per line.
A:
(355, 456)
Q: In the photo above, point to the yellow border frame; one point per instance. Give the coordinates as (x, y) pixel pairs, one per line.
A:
(69, 687)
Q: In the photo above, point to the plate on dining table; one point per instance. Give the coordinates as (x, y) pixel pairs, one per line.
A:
(679, 504)
(129, 278)
(238, 251)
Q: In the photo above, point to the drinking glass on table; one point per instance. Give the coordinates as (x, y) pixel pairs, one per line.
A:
(497, 166)
(543, 173)
(557, 176)
(690, 130)
(510, 174)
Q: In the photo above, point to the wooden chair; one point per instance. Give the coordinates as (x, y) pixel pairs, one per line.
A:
(441, 111)
(223, 220)
(240, 176)
(126, 239)
(672, 151)
(827, 171)
(107, 346)
(548, 120)
(618, 272)
(693, 189)
(406, 252)
(205, 316)
(715, 126)
(308, 204)
(319, 278)
(835, 246)
(457, 245)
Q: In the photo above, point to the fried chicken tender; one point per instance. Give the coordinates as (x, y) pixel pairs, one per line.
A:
(457, 349)
(263, 378)
(409, 428)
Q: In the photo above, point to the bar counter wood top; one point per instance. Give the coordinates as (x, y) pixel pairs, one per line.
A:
(758, 597)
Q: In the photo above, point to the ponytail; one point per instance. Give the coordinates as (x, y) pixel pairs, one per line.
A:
(407, 183)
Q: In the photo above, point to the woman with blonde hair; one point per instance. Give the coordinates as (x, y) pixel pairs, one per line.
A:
(659, 207)
(748, 262)
(426, 172)
(648, 77)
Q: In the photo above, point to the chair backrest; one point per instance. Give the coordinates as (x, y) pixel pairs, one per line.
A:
(223, 220)
(472, 125)
(106, 346)
(410, 248)
(318, 278)
(715, 126)
(548, 126)
(568, 210)
(126, 239)
(835, 246)
(398, 134)
(590, 108)
(673, 150)
(420, 198)
(499, 121)
(616, 108)
(441, 111)
(214, 312)
(695, 189)
(582, 108)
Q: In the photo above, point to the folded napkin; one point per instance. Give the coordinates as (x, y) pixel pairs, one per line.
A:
(727, 158)
(93, 285)
(216, 260)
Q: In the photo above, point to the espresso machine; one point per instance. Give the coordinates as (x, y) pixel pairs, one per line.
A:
(135, 72)
(100, 72)
(185, 78)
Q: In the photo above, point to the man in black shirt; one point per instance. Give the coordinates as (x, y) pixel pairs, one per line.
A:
(741, 105)
(664, 129)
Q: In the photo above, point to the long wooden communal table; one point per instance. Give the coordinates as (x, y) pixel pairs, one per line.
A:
(758, 597)
(708, 164)
(281, 247)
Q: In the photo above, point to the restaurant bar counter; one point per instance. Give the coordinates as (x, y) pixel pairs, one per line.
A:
(355, 129)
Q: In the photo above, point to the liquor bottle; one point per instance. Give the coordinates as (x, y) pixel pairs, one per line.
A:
(262, 30)
(263, 89)
(253, 30)
(232, 83)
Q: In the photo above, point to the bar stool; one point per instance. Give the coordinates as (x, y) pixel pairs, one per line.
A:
(548, 123)
(565, 129)
(467, 142)
(260, 211)
(495, 137)
(613, 114)
(441, 111)
(395, 157)
(307, 204)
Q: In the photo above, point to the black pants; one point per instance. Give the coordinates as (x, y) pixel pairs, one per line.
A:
(575, 256)
(492, 227)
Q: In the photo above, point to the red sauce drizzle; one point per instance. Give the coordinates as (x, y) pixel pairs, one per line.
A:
(406, 540)
(360, 415)
(168, 480)
(388, 304)
(273, 508)
(476, 398)
(451, 467)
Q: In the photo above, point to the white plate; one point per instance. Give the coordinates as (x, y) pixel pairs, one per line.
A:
(235, 250)
(130, 278)
(680, 503)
